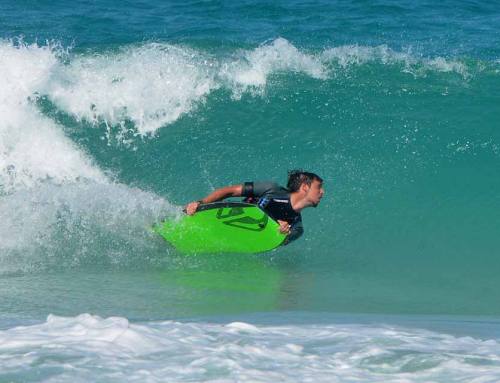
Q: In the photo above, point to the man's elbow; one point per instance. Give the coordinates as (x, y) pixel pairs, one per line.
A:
(235, 190)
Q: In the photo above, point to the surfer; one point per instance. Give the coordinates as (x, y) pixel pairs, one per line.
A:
(304, 189)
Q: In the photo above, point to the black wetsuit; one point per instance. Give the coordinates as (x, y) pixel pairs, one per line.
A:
(275, 201)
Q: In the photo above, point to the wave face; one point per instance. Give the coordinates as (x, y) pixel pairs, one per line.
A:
(406, 143)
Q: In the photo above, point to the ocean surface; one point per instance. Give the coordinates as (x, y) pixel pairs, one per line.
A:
(114, 114)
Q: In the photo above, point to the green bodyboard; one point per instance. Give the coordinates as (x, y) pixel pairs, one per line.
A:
(223, 227)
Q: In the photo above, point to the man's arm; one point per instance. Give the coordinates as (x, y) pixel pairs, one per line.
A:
(216, 195)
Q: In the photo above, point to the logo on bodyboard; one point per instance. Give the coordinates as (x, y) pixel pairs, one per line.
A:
(236, 217)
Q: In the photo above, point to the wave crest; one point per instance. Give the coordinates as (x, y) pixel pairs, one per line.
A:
(354, 55)
(33, 148)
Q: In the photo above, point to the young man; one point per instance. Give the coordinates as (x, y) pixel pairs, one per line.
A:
(304, 189)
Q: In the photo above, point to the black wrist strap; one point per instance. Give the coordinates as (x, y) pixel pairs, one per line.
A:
(247, 189)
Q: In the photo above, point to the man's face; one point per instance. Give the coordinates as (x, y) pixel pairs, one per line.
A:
(315, 192)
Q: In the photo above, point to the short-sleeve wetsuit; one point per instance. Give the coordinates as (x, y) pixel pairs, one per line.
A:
(275, 201)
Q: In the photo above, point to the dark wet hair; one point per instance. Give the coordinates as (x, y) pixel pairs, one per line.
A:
(297, 177)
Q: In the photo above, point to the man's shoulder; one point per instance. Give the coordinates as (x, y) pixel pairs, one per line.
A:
(267, 187)
(267, 184)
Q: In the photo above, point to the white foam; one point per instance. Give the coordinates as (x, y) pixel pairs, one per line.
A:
(242, 327)
(255, 66)
(355, 55)
(112, 336)
(155, 84)
(443, 65)
(173, 351)
(347, 55)
(151, 85)
(32, 147)
(75, 224)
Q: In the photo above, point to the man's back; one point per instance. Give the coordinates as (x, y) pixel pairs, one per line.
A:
(275, 201)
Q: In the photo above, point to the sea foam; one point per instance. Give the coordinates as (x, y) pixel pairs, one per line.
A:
(151, 85)
(346, 56)
(32, 147)
(252, 69)
(86, 223)
(67, 349)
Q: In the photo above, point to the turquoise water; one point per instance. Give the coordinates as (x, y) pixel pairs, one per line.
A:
(114, 115)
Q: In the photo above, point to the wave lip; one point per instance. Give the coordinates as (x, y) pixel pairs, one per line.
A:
(32, 146)
(154, 84)
(150, 85)
(255, 66)
(240, 351)
(355, 55)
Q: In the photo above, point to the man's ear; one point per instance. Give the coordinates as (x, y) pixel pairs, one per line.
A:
(304, 187)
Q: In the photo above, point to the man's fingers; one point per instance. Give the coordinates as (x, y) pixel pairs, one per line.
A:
(284, 227)
(191, 208)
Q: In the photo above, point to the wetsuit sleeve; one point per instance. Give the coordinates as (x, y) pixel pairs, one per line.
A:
(258, 188)
(296, 230)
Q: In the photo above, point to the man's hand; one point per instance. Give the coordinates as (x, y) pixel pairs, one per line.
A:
(191, 207)
(284, 227)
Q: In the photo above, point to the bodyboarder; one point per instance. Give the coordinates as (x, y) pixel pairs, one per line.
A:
(304, 189)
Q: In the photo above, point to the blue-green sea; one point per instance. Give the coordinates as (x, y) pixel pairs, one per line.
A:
(114, 114)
